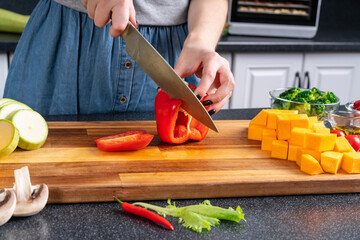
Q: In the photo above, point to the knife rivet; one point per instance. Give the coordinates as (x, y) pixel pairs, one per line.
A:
(128, 64)
(123, 99)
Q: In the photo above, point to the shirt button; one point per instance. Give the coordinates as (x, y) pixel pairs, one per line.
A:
(128, 64)
(123, 99)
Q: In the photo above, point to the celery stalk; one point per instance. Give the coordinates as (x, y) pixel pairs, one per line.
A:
(12, 22)
(197, 217)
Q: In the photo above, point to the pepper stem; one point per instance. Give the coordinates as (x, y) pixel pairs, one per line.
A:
(118, 200)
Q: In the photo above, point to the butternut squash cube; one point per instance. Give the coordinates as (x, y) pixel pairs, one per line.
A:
(301, 151)
(272, 115)
(312, 120)
(255, 132)
(322, 130)
(320, 141)
(298, 136)
(351, 162)
(292, 153)
(260, 118)
(269, 132)
(342, 145)
(300, 120)
(283, 122)
(310, 165)
(266, 143)
(318, 124)
(279, 149)
(331, 161)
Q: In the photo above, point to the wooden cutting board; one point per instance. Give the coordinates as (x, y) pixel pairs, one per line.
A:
(224, 164)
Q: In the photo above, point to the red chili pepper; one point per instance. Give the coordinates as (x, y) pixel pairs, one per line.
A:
(174, 124)
(131, 140)
(142, 212)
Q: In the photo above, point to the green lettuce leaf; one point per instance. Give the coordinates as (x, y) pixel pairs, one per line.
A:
(197, 217)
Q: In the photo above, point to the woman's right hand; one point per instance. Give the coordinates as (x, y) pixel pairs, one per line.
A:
(120, 12)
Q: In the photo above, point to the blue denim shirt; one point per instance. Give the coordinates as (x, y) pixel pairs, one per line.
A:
(64, 64)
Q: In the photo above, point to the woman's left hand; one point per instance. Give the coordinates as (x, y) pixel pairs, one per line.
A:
(214, 71)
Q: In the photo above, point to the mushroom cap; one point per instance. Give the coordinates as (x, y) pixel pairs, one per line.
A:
(7, 205)
(35, 204)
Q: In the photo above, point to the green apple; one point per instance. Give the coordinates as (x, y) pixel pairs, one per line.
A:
(32, 127)
(9, 137)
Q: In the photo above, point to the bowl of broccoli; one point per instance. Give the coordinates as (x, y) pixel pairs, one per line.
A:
(312, 102)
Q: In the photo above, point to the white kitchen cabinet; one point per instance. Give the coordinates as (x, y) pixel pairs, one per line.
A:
(3, 71)
(258, 73)
(336, 72)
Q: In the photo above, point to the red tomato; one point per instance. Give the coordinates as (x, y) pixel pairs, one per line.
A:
(131, 140)
(339, 133)
(356, 105)
(354, 141)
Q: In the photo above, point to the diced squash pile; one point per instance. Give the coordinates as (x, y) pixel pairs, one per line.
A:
(304, 140)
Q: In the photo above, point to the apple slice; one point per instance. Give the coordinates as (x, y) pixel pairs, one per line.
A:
(8, 109)
(32, 128)
(9, 137)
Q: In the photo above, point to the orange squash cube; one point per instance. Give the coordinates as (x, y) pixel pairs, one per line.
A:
(312, 120)
(310, 165)
(272, 116)
(301, 151)
(279, 149)
(331, 161)
(342, 145)
(298, 136)
(269, 132)
(292, 153)
(320, 141)
(300, 120)
(255, 132)
(318, 124)
(266, 143)
(322, 130)
(260, 118)
(283, 122)
(351, 162)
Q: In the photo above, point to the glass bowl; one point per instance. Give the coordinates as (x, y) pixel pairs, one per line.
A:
(320, 110)
(349, 107)
(346, 121)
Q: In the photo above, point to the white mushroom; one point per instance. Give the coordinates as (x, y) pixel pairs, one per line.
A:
(30, 199)
(7, 205)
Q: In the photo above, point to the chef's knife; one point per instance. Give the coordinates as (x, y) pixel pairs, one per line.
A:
(155, 66)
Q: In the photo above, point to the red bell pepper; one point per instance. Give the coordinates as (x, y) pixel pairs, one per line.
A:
(131, 140)
(174, 124)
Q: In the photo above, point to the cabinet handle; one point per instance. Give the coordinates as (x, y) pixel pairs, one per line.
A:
(307, 80)
(297, 81)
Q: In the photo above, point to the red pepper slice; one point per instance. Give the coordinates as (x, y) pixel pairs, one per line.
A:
(131, 140)
(142, 212)
(174, 124)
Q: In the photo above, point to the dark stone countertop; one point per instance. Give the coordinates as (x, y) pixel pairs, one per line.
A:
(331, 216)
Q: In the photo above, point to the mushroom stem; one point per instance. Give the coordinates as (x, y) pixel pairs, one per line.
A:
(30, 199)
(7, 205)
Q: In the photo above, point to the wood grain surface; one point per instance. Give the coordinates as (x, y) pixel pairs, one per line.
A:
(224, 164)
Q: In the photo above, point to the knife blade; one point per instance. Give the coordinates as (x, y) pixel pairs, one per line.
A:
(155, 66)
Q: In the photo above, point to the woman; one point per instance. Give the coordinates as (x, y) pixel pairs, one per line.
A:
(71, 60)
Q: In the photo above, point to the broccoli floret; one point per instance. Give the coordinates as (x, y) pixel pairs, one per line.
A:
(307, 95)
(302, 106)
(316, 93)
(280, 104)
(330, 96)
(290, 93)
(318, 110)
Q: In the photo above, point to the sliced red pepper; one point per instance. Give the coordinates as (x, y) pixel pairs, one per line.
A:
(131, 140)
(174, 124)
(142, 212)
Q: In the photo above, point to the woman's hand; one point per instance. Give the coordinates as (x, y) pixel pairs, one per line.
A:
(117, 11)
(213, 70)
